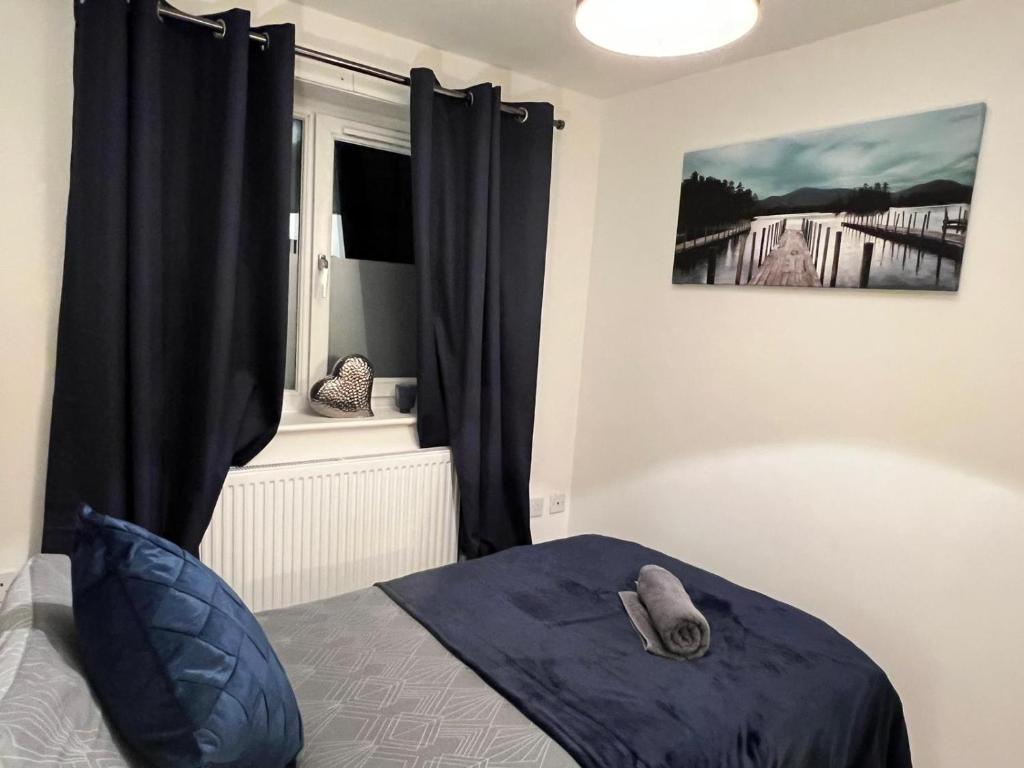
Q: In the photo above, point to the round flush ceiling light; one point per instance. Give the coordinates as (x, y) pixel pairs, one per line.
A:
(665, 27)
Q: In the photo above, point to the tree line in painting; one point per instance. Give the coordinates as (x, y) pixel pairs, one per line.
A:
(712, 203)
(708, 204)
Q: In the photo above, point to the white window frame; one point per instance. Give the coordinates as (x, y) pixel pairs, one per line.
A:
(295, 399)
(321, 128)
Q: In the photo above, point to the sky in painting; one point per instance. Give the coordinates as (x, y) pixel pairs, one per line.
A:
(902, 151)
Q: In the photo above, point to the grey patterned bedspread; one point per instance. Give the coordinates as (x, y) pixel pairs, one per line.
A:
(376, 690)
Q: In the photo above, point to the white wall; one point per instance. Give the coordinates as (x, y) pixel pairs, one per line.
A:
(35, 140)
(859, 454)
(35, 149)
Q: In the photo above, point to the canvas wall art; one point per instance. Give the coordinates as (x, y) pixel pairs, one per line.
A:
(884, 204)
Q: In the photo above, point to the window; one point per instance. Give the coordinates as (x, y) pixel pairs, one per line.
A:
(293, 251)
(352, 274)
(372, 276)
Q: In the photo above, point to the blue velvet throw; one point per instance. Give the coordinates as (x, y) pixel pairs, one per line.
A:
(545, 627)
(180, 665)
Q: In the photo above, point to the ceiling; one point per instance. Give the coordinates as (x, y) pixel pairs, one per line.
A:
(537, 37)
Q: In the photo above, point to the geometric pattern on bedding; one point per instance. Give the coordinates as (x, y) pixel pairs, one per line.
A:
(376, 690)
(48, 714)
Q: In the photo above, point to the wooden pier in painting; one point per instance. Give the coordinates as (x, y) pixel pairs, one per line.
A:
(905, 229)
(950, 246)
(789, 263)
(716, 237)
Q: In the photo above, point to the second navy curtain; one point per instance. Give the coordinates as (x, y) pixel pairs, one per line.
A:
(481, 189)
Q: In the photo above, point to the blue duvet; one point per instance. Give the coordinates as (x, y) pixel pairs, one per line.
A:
(544, 626)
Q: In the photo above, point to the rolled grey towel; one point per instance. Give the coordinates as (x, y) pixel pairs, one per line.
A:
(682, 629)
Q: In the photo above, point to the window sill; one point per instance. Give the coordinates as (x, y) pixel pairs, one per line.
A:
(384, 415)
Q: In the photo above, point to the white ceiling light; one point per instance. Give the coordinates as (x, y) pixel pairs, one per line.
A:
(665, 27)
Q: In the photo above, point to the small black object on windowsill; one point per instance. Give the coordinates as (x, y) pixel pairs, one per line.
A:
(405, 397)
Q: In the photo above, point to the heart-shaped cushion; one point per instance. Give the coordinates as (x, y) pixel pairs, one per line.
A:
(347, 392)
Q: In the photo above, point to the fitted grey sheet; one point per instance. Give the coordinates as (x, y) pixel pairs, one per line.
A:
(48, 715)
(376, 690)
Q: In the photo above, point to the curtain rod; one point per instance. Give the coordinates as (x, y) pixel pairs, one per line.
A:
(220, 27)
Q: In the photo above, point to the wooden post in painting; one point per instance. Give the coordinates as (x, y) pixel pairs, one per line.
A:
(815, 244)
(887, 215)
(711, 269)
(865, 264)
(835, 258)
(739, 261)
(824, 255)
(750, 264)
(760, 257)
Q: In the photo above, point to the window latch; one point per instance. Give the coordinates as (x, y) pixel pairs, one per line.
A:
(323, 264)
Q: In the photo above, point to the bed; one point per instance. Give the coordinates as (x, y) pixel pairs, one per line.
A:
(525, 658)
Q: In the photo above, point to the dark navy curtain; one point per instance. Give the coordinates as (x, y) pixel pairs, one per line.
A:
(481, 188)
(171, 344)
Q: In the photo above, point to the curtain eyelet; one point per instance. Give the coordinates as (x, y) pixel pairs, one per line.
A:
(523, 117)
(223, 31)
(469, 98)
(265, 46)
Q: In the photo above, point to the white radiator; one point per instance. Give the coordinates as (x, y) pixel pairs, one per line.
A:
(290, 533)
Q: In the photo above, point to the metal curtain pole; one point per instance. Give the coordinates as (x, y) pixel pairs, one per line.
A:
(219, 26)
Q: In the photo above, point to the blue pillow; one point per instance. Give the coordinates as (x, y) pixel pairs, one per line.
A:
(180, 665)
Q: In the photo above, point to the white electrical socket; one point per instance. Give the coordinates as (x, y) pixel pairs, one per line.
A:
(537, 506)
(557, 503)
